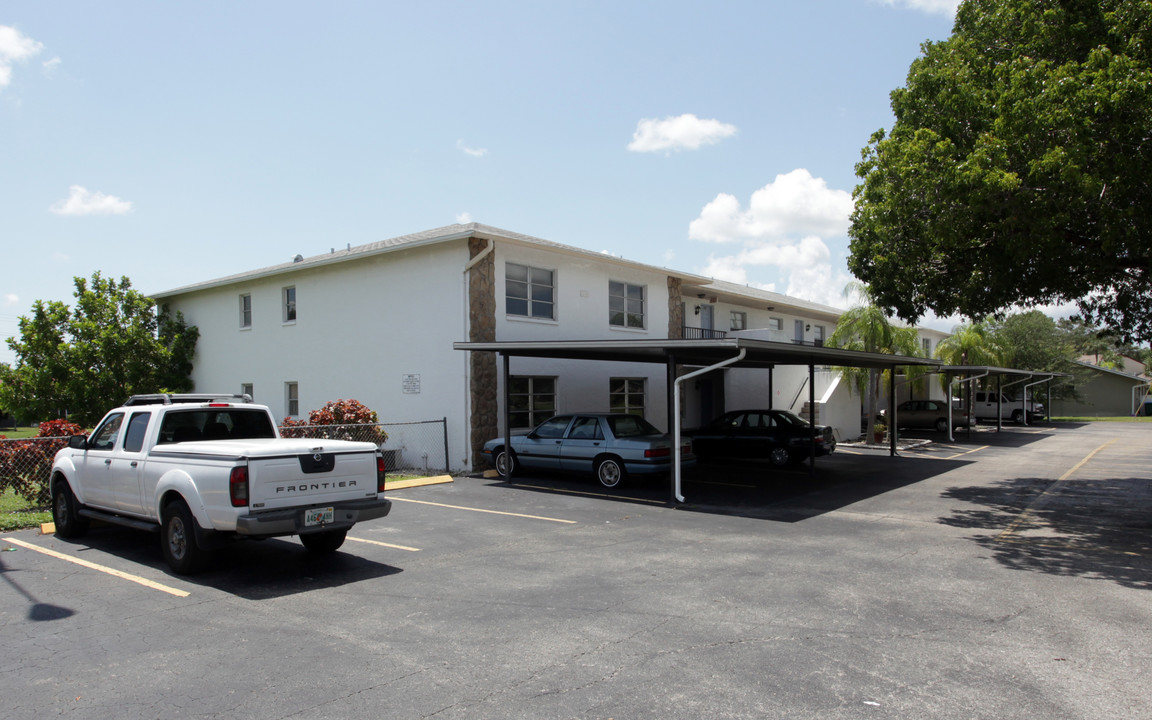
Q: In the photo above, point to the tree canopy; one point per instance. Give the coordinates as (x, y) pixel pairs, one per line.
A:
(84, 360)
(1019, 168)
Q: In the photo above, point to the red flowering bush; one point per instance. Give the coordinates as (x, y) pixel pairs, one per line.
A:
(339, 419)
(59, 428)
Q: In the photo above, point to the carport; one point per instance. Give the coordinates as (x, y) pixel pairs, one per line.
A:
(972, 373)
(703, 355)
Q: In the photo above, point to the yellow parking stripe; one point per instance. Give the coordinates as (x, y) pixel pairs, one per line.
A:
(383, 544)
(481, 510)
(101, 568)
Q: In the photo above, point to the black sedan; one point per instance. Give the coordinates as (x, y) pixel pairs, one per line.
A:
(779, 436)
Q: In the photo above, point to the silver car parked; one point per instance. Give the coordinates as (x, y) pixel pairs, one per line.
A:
(610, 445)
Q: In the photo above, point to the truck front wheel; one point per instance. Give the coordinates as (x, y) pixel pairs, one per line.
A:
(68, 522)
(178, 539)
(328, 541)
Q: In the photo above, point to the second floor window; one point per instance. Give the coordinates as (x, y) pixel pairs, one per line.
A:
(529, 292)
(625, 305)
(289, 304)
(739, 321)
(246, 311)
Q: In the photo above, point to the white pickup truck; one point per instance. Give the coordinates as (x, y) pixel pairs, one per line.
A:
(203, 470)
(984, 407)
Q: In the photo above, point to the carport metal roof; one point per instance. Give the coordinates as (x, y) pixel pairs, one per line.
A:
(758, 353)
(710, 354)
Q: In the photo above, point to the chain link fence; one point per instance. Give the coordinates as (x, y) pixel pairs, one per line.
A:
(411, 448)
(26, 465)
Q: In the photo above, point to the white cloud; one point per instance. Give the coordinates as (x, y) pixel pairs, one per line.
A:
(794, 204)
(15, 47)
(474, 152)
(684, 132)
(85, 202)
(943, 7)
(806, 265)
(51, 65)
(463, 218)
(11, 299)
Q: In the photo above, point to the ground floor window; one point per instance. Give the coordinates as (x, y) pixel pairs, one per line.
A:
(532, 400)
(626, 395)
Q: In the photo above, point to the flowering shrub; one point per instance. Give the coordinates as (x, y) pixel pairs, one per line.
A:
(25, 465)
(340, 419)
(59, 428)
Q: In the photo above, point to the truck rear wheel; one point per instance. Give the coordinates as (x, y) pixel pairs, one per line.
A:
(178, 539)
(328, 541)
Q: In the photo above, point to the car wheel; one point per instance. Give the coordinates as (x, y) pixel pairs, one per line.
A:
(178, 539)
(503, 459)
(69, 524)
(609, 471)
(779, 456)
(942, 425)
(325, 542)
(1018, 417)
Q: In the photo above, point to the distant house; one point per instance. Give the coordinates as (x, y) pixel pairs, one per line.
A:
(377, 323)
(1105, 392)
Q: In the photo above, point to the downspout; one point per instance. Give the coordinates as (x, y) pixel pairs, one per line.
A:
(676, 454)
(999, 412)
(1048, 408)
(961, 381)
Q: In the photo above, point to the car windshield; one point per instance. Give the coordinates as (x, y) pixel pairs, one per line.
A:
(215, 424)
(630, 426)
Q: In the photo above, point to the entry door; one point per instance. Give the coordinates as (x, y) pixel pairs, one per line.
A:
(706, 318)
(799, 331)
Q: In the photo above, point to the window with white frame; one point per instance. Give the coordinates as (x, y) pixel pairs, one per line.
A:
(818, 334)
(246, 310)
(289, 304)
(927, 346)
(532, 400)
(625, 305)
(738, 321)
(626, 395)
(292, 399)
(529, 291)
(775, 323)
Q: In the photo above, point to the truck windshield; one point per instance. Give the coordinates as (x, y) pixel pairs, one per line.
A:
(215, 424)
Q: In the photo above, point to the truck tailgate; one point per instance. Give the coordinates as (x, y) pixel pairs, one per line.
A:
(311, 477)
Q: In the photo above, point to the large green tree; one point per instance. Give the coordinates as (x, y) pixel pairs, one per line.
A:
(1018, 169)
(88, 358)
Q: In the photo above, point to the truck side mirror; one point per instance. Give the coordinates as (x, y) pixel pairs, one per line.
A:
(78, 442)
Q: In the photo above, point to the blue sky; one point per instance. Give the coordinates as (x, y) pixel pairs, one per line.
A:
(176, 142)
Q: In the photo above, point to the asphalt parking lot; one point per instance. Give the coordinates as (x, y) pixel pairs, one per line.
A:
(1007, 575)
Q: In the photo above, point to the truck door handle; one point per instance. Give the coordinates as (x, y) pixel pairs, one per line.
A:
(108, 461)
(133, 463)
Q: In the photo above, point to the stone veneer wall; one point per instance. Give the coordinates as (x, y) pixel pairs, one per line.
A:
(482, 328)
(675, 310)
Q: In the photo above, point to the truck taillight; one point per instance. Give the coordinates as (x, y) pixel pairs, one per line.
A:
(238, 486)
(381, 470)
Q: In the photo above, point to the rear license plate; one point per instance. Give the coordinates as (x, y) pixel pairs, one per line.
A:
(319, 516)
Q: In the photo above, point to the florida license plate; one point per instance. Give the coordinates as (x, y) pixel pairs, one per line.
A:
(319, 516)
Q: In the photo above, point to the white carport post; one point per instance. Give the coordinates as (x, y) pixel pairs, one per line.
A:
(676, 417)
(961, 381)
(1049, 408)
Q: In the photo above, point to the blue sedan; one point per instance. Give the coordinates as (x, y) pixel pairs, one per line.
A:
(610, 445)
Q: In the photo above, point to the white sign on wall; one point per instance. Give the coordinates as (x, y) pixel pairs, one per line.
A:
(411, 384)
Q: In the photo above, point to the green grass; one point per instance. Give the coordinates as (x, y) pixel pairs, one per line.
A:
(20, 433)
(16, 513)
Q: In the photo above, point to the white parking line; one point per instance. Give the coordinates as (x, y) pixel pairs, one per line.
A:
(383, 544)
(481, 510)
(101, 568)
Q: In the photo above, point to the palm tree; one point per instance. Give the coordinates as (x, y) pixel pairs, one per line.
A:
(969, 344)
(866, 328)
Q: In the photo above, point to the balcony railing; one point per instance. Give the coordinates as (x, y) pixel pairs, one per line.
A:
(695, 333)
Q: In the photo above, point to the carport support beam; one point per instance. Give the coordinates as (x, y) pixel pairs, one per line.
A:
(507, 418)
(892, 411)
